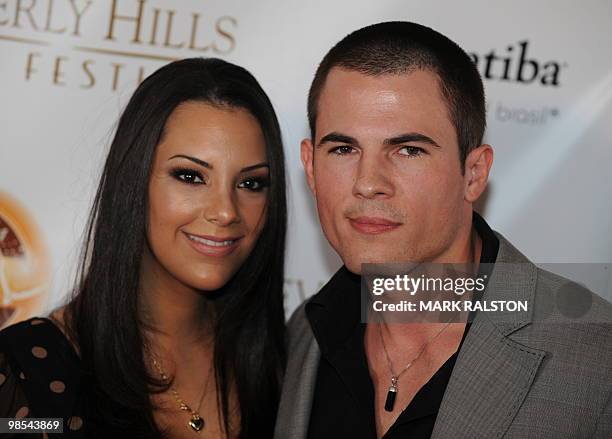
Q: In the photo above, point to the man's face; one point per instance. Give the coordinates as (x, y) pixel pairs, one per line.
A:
(385, 169)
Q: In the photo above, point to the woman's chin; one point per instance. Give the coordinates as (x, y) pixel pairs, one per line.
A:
(210, 285)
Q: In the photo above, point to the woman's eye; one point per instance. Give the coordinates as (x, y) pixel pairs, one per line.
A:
(188, 176)
(341, 150)
(254, 184)
(411, 151)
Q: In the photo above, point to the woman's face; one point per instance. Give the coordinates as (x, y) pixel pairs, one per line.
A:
(207, 194)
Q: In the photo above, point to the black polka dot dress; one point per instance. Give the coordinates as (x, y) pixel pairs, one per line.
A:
(40, 377)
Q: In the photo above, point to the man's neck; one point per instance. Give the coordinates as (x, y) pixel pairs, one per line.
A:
(469, 251)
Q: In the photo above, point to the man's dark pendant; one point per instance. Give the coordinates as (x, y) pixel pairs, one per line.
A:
(391, 394)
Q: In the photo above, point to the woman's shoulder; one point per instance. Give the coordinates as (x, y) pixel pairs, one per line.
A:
(39, 348)
(40, 342)
(38, 336)
(40, 372)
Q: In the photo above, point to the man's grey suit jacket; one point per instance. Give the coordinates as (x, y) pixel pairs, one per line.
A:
(516, 376)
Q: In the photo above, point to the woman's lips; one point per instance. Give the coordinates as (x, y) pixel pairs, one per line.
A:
(373, 225)
(213, 245)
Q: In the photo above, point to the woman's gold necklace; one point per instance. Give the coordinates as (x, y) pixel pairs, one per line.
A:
(196, 422)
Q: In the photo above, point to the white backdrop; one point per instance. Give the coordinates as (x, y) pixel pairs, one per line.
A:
(67, 68)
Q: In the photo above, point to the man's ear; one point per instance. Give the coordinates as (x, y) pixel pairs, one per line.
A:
(307, 155)
(477, 166)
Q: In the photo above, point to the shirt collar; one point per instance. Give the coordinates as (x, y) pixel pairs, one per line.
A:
(335, 310)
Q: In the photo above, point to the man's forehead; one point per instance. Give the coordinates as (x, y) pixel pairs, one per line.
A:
(351, 98)
(343, 80)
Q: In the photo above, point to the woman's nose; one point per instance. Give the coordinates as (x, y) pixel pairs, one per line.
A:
(222, 209)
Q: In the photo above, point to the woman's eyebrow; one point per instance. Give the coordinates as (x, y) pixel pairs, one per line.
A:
(209, 166)
(193, 159)
(258, 165)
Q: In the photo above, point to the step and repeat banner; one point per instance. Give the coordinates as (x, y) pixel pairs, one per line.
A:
(67, 68)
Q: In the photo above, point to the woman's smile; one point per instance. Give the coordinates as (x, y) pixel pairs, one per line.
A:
(213, 246)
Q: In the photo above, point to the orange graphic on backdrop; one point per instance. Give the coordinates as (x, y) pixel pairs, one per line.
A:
(24, 264)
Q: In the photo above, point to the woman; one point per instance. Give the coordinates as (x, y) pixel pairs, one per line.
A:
(176, 324)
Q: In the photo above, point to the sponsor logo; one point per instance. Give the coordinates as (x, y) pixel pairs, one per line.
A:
(24, 266)
(519, 66)
(89, 43)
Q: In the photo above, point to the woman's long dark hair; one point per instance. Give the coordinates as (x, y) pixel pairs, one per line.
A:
(103, 315)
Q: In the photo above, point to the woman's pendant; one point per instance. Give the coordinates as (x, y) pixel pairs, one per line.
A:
(196, 422)
(391, 394)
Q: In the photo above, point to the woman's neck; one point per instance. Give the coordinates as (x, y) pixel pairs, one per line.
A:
(171, 310)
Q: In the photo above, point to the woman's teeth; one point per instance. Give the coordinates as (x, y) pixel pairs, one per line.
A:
(211, 243)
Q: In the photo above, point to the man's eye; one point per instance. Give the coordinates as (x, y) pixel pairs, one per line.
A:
(188, 176)
(254, 184)
(341, 150)
(411, 151)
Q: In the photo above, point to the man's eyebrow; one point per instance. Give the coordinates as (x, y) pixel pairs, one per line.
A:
(397, 140)
(193, 159)
(411, 137)
(338, 138)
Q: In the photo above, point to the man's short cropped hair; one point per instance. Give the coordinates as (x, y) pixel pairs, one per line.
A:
(400, 47)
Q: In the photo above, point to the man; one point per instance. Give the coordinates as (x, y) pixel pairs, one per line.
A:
(396, 163)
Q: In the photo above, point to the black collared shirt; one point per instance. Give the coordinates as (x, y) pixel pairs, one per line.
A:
(343, 404)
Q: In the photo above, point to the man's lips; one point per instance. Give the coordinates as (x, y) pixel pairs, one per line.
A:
(373, 225)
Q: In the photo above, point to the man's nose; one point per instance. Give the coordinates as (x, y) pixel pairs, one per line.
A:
(371, 181)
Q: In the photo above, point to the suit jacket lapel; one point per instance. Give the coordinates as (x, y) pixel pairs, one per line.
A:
(493, 373)
(298, 390)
